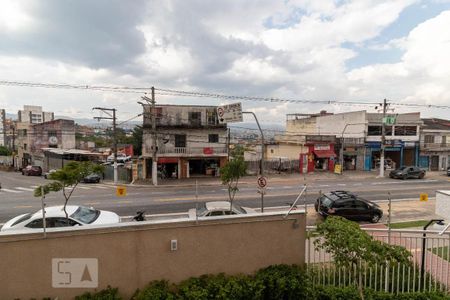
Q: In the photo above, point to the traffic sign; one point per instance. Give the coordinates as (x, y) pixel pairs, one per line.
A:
(423, 197)
(230, 113)
(389, 120)
(262, 181)
(121, 191)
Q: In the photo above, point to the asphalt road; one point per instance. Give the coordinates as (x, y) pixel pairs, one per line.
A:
(16, 195)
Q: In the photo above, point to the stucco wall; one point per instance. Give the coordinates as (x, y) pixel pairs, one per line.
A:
(130, 256)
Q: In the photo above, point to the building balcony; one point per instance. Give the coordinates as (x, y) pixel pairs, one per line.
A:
(191, 151)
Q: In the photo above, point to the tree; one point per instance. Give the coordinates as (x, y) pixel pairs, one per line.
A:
(137, 139)
(350, 245)
(67, 179)
(233, 171)
(4, 151)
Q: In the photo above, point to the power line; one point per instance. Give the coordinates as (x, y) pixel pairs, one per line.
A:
(172, 92)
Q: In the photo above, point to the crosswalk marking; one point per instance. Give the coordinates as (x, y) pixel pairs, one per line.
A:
(24, 189)
(11, 191)
(84, 187)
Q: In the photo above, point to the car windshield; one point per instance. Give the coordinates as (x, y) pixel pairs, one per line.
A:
(85, 214)
(402, 168)
(201, 209)
(324, 201)
(239, 209)
(23, 218)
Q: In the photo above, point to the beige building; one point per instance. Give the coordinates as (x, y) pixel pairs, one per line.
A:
(190, 141)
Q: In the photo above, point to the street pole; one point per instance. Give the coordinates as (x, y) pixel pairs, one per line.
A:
(113, 118)
(261, 164)
(115, 146)
(154, 158)
(383, 139)
(44, 223)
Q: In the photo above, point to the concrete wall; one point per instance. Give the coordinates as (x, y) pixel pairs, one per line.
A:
(130, 256)
(285, 151)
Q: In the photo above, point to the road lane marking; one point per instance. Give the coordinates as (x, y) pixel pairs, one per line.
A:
(23, 206)
(91, 203)
(100, 187)
(124, 202)
(34, 186)
(84, 187)
(357, 184)
(24, 189)
(11, 191)
(323, 185)
(341, 184)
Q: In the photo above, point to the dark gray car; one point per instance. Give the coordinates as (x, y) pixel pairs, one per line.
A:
(407, 172)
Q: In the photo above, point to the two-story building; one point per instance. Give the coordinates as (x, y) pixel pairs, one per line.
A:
(189, 141)
(357, 140)
(435, 144)
(58, 134)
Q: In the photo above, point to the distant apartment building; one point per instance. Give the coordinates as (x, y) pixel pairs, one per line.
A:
(190, 141)
(34, 115)
(356, 139)
(435, 144)
(23, 138)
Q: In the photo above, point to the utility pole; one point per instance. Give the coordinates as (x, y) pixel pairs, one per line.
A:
(383, 138)
(113, 118)
(154, 144)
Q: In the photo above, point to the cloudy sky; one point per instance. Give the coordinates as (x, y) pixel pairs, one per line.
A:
(358, 50)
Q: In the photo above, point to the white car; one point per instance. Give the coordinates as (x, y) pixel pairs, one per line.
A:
(218, 208)
(55, 217)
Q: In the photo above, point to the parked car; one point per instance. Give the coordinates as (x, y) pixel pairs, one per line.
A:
(218, 208)
(47, 174)
(349, 206)
(448, 171)
(32, 171)
(407, 172)
(55, 217)
(92, 178)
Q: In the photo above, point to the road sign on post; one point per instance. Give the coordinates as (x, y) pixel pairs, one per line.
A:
(423, 197)
(121, 191)
(230, 113)
(262, 182)
(389, 120)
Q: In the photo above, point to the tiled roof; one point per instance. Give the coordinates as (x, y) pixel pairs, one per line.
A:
(435, 123)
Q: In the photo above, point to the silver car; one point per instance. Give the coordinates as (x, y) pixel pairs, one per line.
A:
(218, 208)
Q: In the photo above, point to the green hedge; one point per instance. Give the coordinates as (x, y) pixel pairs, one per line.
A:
(279, 282)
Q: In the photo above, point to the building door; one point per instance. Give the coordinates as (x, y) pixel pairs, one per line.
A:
(434, 163)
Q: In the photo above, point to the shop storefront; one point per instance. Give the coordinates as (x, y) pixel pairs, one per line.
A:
(397, 154)
(320, 157)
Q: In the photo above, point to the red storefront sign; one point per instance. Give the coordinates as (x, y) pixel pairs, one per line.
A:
(208, 150)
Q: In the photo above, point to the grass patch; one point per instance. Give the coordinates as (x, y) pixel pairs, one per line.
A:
(401, 225)
(442, 252)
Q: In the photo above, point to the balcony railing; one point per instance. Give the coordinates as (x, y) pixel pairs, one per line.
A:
(193, 150)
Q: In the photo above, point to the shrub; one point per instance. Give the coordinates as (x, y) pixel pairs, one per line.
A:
(282, 282)
(155, 290)
(106, 294)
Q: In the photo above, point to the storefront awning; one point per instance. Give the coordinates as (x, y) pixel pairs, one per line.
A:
(324, 153)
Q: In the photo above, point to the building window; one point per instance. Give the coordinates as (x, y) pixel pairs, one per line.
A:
(213, 138)
(444, 141)
(211, 116)
(429, 139)
(180, 140)
(25, 147)
(405, 130)
(388, 130)
(374, 130)
(51, 133)
(195, 118)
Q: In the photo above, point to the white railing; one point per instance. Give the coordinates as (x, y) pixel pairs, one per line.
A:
(402, 278)
(193, 150)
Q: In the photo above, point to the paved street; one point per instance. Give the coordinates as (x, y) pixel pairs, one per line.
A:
(16, 195)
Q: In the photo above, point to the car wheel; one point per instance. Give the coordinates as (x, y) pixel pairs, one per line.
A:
(405, 177)
(421, 176)
(375, 218)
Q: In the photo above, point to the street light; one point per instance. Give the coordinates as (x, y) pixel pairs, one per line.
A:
(341, 155)
(437, 221)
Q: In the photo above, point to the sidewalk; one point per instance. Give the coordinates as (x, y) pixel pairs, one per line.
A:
(293, 178)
